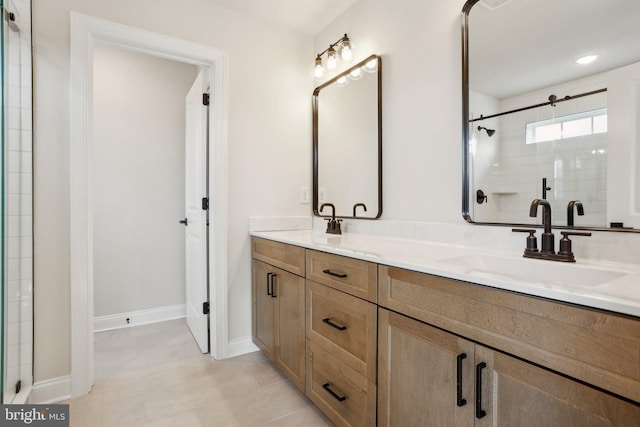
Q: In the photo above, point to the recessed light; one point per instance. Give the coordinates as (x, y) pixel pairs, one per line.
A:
(586, 59)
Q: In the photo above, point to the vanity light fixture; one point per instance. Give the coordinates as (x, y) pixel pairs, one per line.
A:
(344, 52)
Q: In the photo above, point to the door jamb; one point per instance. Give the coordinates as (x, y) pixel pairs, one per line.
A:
(85, 32)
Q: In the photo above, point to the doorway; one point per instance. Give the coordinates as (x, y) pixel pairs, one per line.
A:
(138, 163)
(85, 32)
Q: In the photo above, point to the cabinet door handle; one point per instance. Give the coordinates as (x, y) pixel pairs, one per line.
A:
(331, 273)
(333, 393)
(459, 400)
(479, 412)
(273, 285)
(330, 323)
(269, 283)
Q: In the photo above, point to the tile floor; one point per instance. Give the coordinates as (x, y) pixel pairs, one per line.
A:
(154, 375)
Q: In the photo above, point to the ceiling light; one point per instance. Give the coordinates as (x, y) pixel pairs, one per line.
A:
(588, 59)
(344, 52)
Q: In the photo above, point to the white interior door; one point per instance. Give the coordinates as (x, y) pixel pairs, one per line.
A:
(195, 215)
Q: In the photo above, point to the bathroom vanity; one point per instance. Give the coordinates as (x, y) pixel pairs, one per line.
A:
(381, 331)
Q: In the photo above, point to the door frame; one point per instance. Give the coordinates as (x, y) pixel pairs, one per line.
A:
(85, 32)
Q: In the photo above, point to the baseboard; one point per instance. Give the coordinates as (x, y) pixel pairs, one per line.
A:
(140, 317)
(51, 391)
(241, 346)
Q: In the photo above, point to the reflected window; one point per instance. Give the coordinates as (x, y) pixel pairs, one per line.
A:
(571, 126)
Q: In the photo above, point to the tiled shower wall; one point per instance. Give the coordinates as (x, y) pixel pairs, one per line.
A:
(511, 171)
(18, 202)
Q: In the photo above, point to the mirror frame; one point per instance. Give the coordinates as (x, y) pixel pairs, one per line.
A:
(465, 141)
(314, 101)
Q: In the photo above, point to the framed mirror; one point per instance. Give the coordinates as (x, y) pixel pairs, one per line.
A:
(550, 101)
(347, 142)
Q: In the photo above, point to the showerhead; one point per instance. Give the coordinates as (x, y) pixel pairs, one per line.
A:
(490, 132)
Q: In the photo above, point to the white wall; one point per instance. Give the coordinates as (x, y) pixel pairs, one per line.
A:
(138, 180)
(269, 126)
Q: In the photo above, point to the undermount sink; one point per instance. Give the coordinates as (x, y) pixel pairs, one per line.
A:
(533, 271)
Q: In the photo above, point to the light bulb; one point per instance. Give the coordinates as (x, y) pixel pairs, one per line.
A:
(342, 81)
(356, 74)
(345, 50)
(332, 61)
(318, 71)
(345, 53)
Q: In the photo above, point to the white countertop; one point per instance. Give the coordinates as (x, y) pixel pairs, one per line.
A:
(608, 286)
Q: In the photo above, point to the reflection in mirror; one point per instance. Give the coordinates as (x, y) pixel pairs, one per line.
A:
(543, 120)
(347, 142)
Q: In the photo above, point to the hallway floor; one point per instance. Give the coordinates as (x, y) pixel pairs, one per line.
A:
(155, 375)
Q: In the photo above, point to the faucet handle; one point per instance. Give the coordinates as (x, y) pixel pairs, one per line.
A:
(532, 241)
(565, 244)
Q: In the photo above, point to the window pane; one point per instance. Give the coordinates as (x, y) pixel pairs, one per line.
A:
(600, 124)
(548, 132)
(573, 128)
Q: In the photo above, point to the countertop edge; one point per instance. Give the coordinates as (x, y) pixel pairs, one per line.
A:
(612, 303)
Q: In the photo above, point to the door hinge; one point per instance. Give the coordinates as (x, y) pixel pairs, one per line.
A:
(205, 203)
(18, 386)
(205, 99)
(205, 307)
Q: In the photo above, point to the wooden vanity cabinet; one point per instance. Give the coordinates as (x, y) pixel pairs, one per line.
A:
(278, 307)
(341, 338)
(419, 359)
(430, 377)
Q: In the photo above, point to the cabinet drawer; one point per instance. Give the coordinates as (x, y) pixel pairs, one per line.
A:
(345, 396)
(282, 255)
(344, 325)
(353, 276)
(597, 347)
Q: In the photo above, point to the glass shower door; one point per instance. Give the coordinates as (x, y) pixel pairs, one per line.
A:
(16, 206)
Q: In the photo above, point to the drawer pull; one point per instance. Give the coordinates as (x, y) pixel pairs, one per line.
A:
(459, 400)
(333, 393)
(273, 285)
(269, 283)
(330, 323)
(331, 273)
(479, 412)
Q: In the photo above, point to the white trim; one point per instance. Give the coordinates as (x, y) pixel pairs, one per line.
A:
(51, 391)
(85, 31)
(240, 346)
(138, 317)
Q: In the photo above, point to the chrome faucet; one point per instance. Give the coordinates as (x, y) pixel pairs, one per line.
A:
(333, 224)
(548, 241)
(570, 206)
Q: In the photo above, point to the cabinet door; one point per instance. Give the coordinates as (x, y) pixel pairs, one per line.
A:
(418, 374)
(517, 393)
(288, 293)
(263, 308)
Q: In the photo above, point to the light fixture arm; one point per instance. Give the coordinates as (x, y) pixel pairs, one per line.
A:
(342, 39)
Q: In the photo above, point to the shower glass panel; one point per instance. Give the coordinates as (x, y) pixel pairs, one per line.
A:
(16, 212)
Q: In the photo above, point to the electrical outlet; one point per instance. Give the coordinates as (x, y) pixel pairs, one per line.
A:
(322, 195)
(304, 195)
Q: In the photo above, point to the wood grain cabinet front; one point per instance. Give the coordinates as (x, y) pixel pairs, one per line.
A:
(429, 377)
(353, 276)
(597, 347)
(343, 325)
(345, 396)
(278, 319)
